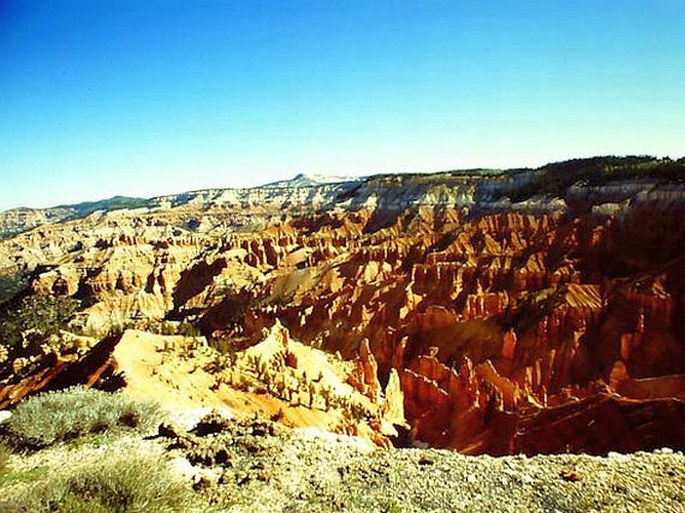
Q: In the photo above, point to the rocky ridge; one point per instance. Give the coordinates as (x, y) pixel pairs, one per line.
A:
(254, 466)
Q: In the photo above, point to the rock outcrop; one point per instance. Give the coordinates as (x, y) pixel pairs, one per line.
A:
(502, 304)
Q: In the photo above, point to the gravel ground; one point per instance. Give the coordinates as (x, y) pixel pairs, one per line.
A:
(254, 466)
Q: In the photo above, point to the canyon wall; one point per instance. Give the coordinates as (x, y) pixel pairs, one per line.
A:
(547, 323)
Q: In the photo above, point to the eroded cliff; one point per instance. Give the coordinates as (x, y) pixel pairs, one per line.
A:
(527, 311)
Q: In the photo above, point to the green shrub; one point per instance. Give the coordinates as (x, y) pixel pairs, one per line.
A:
(127, 483)
(10, 285)
(45, 314)
(52, 417)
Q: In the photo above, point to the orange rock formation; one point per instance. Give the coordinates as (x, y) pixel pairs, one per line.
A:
(547, 325)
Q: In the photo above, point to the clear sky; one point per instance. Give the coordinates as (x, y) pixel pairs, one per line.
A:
(147, 97)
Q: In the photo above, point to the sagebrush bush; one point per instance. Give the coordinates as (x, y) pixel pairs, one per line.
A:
(127, 483)
(53, 417)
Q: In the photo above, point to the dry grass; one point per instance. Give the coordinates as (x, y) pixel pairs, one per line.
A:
(5, 454)
(126, 483)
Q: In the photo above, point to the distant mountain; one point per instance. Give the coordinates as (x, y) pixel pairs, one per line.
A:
(304, 180)
(107, 205)
(485, 186)
(21, 219)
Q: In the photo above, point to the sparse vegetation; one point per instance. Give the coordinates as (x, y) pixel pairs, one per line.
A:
(5, 454)
(43, 314)
(553, 499)
(11, 477)
(187, 329)
(10, 285)
(125, 483)
(596, 171)
(53, 417)
(115, 203)
(391, 507)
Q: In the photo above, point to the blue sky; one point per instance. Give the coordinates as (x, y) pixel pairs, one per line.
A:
(105, 97)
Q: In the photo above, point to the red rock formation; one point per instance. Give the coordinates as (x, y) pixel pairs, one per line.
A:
(602, 423)
(53, 371)
(365, 379)
(530, 307)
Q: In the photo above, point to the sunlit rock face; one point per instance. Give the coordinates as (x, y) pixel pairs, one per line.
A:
(527, 311)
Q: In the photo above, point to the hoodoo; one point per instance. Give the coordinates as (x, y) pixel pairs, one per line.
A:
(534, 311)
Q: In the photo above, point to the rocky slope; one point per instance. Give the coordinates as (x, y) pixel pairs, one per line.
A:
(533, 311)
(252, 465)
